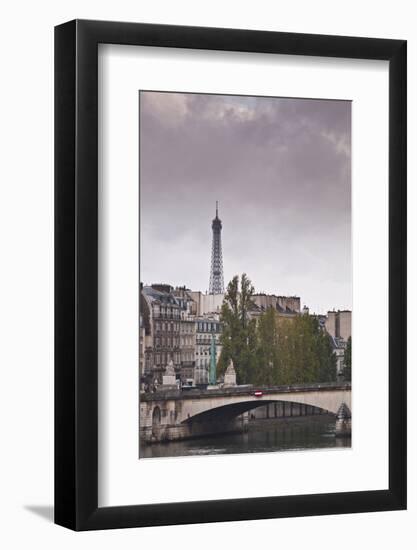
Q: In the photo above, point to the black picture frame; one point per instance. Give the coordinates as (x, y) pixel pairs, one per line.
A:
(76, 272)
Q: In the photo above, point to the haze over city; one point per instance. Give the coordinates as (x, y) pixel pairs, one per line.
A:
(281, 171)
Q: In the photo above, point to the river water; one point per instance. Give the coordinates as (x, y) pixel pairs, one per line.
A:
(278, 434)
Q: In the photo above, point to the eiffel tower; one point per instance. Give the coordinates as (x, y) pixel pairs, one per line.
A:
(216, 272)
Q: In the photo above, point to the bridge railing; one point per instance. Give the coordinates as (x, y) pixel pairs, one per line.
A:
(162, 395)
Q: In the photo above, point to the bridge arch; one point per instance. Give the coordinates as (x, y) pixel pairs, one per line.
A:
(230, 411)
(233, 404)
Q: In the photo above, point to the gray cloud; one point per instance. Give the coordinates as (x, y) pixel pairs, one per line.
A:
(281, 171)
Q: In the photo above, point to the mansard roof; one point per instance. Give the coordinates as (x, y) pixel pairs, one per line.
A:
(156, 295)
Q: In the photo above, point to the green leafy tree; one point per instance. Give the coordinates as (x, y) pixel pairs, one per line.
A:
(267, 354)
(347, 370)
(272, 350)
(298, 342)
(239, 331)
(327, 359)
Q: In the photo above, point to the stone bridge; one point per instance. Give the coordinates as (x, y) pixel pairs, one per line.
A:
(174, 414)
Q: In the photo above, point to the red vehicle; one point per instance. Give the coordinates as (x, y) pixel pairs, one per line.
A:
(258, 393)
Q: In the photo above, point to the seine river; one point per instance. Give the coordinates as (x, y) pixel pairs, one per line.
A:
(281, 434)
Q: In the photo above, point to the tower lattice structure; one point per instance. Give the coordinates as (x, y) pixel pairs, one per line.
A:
(216, 272)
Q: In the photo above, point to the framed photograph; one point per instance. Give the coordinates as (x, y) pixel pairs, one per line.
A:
(230, 285)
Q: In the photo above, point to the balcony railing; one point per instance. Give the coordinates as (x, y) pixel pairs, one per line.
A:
(169, 316)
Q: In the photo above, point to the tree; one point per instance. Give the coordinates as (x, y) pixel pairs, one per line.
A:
(327, 371)
(267, 356)
(273, 350)
(293, 351)
(347, 370)
(238, 336)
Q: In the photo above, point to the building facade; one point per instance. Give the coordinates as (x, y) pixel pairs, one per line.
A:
(285, 306)
(204, 304)
(208, 332)
(338, 324)
(161, 317)
(187, 349)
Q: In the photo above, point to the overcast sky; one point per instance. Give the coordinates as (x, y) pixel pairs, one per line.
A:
(281, 171)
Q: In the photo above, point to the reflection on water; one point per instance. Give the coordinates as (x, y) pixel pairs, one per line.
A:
(283, 434)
